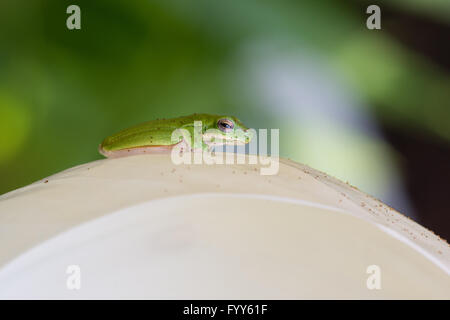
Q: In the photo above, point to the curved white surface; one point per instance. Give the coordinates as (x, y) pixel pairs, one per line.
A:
(174, 234)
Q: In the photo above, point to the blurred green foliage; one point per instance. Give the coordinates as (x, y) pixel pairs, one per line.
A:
(62, 91)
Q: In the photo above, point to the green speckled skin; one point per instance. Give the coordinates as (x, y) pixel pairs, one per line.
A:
(159, 132)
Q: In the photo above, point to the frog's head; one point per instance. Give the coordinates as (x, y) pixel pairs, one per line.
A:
(227, 130)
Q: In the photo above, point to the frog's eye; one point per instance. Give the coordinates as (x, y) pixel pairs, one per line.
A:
(225, 125)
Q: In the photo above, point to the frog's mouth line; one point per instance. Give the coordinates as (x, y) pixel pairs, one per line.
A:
(225, 139)
(225, 142)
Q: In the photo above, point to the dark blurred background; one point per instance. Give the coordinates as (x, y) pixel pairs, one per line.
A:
(371, 107)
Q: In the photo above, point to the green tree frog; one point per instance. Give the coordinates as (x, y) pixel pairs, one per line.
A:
(196, 132)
